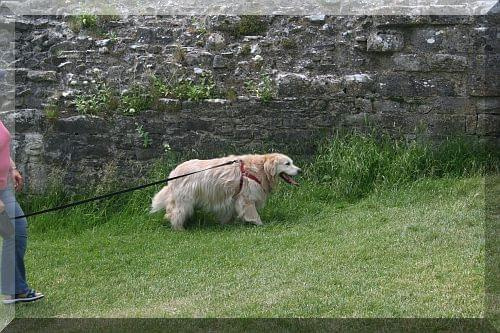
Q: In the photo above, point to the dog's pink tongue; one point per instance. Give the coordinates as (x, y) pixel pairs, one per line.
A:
(289, 179)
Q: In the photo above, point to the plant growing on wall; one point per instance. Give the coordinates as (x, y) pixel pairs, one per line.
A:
(99, 99)
(93, 24)
(144, 136)
(249, 25)
(185, 89)
(51, 111)
(138, 98)
(264, 89)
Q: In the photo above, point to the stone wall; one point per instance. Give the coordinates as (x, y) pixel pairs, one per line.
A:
(409, 76)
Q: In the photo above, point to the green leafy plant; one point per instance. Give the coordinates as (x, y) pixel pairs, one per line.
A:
(51, 111)
(263, 89)
(85, 21)
(144, 136)
(232, 94)
(245, 49)
(112, 35)
(138, 98)
(288, 43)
(159, 87)
(100, 99)
(94, 24)
(203, 88)
(179, 54)
(250, 25)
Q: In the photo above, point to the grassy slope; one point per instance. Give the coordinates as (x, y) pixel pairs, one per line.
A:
(416, 251)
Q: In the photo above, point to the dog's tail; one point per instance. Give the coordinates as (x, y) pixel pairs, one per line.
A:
(159, 200)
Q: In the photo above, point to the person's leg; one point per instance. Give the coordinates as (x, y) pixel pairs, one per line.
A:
(8, 249)
(21, 244)
(13, 249)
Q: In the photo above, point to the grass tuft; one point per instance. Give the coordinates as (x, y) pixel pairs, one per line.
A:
(354, 165)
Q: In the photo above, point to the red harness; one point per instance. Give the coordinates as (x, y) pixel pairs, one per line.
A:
(246, 173)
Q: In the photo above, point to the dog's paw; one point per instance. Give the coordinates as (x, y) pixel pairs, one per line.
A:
(178, 228)
(257, 222)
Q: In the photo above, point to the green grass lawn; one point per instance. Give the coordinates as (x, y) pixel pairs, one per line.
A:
(412, 251)
(378, 228)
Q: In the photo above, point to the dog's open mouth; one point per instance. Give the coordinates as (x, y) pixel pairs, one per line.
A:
(288, 179)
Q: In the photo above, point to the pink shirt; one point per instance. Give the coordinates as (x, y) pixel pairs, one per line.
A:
(4, 155)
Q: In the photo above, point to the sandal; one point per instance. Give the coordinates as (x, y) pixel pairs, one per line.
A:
(29, 296)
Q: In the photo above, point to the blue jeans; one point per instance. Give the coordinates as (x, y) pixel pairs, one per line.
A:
(13, 249)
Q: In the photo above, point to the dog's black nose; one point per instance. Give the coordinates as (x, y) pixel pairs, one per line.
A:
(299, 170)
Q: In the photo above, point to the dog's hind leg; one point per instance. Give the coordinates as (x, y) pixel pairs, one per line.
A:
(178, 217)
(248, 212)
(178, 211)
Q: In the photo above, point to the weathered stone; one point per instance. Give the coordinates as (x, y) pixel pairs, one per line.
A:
(448, 63)
(317, 19)
(167, 104)
(488, 124)
(357, 84)
(38, 76)
(199, 58)
(103, 50)
(292, 84)
(219, 62)
(483, 77)
(385, 41)
(82, 124)
(255, 49)
(396, 84)
(429, 62)
(64, 64)
(258, 58)
(471, 124)
(409, 62)
(102, 42)
(63, 46)
(440, 39)
(215, 41)
(486, 105)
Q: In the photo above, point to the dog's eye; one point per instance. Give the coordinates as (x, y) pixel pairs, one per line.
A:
(287, 163)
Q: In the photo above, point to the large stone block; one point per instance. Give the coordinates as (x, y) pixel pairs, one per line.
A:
(82, 125)
(327, 85)
(42, 76)
(430, 62)
(484, 37)
(168, 104)
(483, 77)
(397, 84)
(292, 84)
(358, 84)
(385, 41)
(199, 58)
(489, 105)
(443, 125)
(488, 124)
(443, 105)
(440, 39)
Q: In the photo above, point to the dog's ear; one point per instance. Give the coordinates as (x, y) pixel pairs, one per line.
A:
(270, 165)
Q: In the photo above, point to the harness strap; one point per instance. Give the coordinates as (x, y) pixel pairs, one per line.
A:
(246, 173)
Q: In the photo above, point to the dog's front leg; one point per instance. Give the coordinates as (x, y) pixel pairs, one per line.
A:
(248, 212)
(225, 217)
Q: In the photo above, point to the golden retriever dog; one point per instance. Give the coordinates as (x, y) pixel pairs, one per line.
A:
(234, 190)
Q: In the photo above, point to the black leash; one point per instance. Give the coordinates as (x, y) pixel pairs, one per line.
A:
(104, 196)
